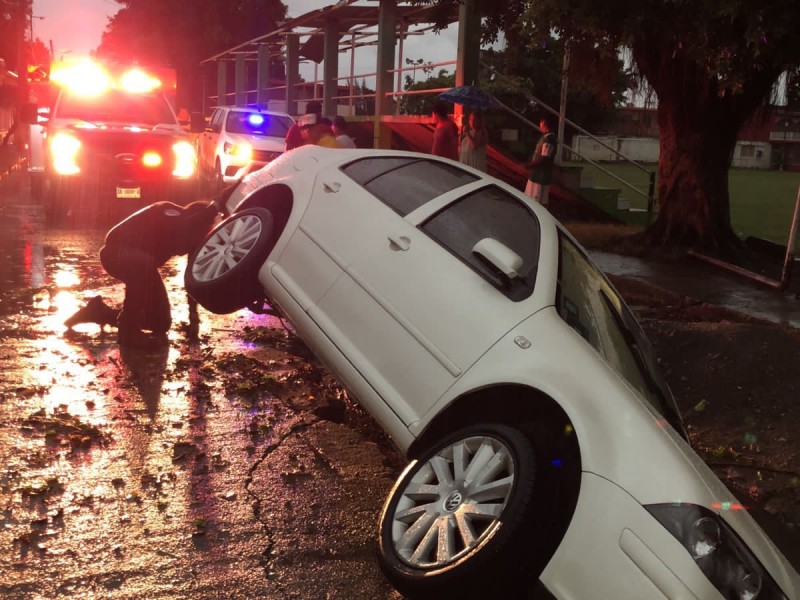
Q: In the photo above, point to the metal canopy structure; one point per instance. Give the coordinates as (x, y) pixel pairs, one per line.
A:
(355, 18)
(322, 35)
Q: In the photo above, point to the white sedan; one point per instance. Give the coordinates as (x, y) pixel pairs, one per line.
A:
(546, 450)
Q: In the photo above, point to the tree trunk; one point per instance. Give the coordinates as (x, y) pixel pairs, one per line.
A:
(699, 123)
(695, 154)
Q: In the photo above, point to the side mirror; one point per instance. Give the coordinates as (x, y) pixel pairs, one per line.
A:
(198, 123)
(29, 114)
(499, 258)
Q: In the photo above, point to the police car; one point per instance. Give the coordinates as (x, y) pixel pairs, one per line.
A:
(240, 139)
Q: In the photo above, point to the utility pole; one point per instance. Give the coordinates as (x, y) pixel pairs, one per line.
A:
(562, 110)
(22, 55)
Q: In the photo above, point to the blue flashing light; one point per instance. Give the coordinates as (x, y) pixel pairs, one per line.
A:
(255, 120)
(557, 463)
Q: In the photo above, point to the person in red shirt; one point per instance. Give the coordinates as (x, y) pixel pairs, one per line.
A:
(445, 136)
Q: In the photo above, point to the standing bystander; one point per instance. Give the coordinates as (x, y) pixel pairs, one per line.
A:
(317, 130)
(445, 136)
(474, 139)
(540, 167)
(294, 137)
(340, 131)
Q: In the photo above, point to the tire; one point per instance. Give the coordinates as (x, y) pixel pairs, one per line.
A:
(218, 181)
(222, 275)
(490, 548)
(61, 200)
(37, 186)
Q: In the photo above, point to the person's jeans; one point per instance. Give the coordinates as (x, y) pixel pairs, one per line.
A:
(146, 305)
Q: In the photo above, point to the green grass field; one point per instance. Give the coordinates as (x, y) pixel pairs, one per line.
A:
(762, 202)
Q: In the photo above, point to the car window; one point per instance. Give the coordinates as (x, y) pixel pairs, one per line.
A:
(490, 213)
(406, 183)
(216, 120)
(116, 105)
(253, 123)
(592, 307)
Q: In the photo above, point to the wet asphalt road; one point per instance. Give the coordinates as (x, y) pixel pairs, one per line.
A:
(229, 465)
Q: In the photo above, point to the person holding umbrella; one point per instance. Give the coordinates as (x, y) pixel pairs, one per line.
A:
(474, 138)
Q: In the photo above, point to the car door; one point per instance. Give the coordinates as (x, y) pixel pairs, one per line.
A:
(209, 139)
(415, 307)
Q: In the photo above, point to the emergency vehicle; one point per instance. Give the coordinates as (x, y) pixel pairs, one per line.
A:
(110, 144)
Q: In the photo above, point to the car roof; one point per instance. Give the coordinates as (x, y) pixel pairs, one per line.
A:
(254, 109)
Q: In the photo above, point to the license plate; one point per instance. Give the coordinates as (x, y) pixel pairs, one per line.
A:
(129, 192)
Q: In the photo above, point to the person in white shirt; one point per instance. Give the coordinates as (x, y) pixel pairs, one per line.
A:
(340, 131)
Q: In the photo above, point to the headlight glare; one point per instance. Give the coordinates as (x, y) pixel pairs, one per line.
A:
(185, 159)
(243, 151)
(64, 149)
(719, 552)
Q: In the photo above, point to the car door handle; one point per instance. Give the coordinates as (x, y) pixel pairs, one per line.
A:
(332, 187)
(399, 242)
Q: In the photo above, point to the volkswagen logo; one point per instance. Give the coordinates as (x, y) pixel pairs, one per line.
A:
(453, 501)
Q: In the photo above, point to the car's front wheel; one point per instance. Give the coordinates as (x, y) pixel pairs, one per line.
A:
(218, 181)
(456, 523)
(222, 275)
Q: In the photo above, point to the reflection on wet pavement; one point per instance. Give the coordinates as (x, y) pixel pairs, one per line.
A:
(708, 284)
(88, 426)
(134, 474)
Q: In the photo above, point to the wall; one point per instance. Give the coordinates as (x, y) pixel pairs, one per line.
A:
(752, 155)
(746, 155)
(638, 149)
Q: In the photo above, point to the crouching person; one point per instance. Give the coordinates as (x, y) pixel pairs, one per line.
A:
(134, 250)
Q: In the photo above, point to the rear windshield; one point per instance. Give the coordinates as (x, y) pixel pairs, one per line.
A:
(406, 183)
(240, 121)
(116, 106)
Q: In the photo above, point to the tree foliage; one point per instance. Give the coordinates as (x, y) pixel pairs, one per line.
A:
(711, 64)
(515, 78)
(13, 30)
(181, 33)
(422, 104)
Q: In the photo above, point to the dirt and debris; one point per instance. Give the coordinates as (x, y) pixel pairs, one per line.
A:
(737, 385)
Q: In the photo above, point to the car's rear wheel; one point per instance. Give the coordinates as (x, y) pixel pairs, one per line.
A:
(222, 275)
(456, 523)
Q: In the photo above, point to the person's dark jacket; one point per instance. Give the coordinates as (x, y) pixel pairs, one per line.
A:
(164, 229)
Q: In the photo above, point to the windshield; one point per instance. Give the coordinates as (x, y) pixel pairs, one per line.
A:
(116, 106)
(254, 123)
(593, 308)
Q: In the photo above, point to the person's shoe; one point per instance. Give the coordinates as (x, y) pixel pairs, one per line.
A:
(95, 311)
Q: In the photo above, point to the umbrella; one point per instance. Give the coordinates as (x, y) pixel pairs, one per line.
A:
(469, 96)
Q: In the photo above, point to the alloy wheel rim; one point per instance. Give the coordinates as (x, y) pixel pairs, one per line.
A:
(453, 502)
(226, 248)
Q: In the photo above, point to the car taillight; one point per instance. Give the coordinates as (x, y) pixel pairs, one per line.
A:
(185, 159)
(241, 151)
(64, 149)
